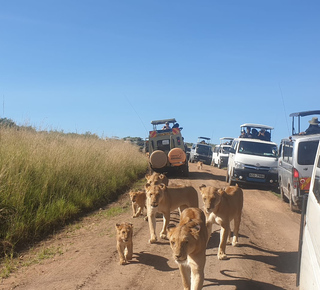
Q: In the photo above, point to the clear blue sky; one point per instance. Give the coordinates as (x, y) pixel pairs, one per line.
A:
(110, 67)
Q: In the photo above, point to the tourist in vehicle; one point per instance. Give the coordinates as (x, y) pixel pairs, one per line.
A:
(166, 126)
(248, 133)
(313, 127)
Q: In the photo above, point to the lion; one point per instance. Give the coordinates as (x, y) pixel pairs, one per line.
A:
(138, 199)
(157, 178)
(124, 242)
(188, 241)
(199, 165)
(163, 199)
(221, 207)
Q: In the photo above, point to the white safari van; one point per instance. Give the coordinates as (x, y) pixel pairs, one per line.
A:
(296, 160)
(220, 154)
(308, 277)
(253, 158)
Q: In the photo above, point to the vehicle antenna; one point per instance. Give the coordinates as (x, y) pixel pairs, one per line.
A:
(284, 108)
(136, 113)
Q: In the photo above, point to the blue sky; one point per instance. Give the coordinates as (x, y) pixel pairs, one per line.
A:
(110, 67)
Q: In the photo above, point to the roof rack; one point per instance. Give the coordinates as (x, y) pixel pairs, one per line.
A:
(297, 116)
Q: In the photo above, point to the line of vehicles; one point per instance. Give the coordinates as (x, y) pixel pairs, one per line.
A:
(293, 167)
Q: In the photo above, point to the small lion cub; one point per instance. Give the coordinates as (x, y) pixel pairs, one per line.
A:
(124, 242)
(199, 164)
(138, 199)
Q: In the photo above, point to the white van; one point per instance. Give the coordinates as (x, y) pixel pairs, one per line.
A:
(251, 159)
(308, 277)
(296, 160)
(220, 154)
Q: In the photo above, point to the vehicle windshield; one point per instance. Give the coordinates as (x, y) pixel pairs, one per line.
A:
(225, 150)
(202, 149)
(307, 152)
(259, 149)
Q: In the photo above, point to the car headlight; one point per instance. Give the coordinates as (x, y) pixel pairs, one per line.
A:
(238, 165)
(273, 170)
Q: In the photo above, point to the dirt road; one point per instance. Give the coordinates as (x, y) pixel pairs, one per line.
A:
(86, 257)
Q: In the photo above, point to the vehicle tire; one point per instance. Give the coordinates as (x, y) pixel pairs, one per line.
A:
(219, 165)
(158, 159)
(185, 170)
(283, 197)
(293, 207)
(176, 156)
(231, 182)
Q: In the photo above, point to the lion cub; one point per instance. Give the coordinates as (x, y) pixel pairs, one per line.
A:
(124, 242)
(138, 200)
(188, 241)
(221, 207)
(199, 164)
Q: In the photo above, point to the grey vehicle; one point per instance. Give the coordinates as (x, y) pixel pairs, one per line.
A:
(167, 151)
(296, 160)
(201, 151)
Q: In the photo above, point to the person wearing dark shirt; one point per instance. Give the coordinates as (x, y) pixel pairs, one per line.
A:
(313, 127)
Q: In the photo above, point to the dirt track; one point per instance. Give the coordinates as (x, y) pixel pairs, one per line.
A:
(86, 256)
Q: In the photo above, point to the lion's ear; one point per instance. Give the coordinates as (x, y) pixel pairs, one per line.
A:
(221, 191)
(195, 230)
(147, 186)
(170, 229)
(161, 176)
(117, 226)
(202, 186)
(162, 186)
(147, 176)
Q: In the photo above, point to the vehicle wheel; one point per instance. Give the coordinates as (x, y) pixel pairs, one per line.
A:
(230, 180)
(185, 170)
(293, 207)
(283, 197)
(219, 165)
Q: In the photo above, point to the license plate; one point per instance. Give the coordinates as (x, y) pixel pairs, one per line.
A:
(256, 175)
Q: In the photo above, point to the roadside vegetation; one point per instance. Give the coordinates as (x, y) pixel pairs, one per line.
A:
(50, 178)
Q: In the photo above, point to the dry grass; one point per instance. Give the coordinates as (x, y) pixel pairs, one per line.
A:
(47, 179)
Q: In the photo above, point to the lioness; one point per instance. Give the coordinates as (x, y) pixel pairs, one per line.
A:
(221, 207)
(124, 242)
(199, 164)
(138, 200)
(188, 242)
(161, 198)
(157, 178)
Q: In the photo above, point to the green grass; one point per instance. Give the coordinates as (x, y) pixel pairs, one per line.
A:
(49, 178)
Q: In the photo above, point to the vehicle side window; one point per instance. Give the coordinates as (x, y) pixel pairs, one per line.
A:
(287, 152)
(307, 152)
(316, 185)
(280, 150)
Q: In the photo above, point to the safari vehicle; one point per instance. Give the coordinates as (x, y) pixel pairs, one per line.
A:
(308, 276)
(296, 160)
(167, 149)
(220, 154)
(201, 151)
(251, 159)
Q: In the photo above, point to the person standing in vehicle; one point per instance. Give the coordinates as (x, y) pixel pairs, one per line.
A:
(313, 127)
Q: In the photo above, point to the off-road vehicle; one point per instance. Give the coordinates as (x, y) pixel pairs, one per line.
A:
(201, 151)
(167, 151)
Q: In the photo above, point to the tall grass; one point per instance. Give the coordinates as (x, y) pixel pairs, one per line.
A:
(49, 178)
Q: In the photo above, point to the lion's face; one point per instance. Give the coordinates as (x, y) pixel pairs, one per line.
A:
(154, 193)
(135, 195)
(211, 197)
(124, 231)
(156, 178)
(183, 240)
